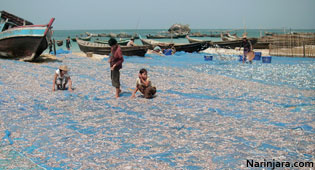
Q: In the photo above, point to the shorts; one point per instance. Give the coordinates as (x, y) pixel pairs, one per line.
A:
(115, 76)
(61, 83)
(148, 92)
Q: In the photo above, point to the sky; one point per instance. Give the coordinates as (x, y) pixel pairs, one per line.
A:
(161, 14)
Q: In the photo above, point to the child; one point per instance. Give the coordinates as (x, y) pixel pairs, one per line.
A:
(115, 60)
(144, 85)
(62, 78)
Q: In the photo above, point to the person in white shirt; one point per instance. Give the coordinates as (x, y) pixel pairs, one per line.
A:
(61, 79)
(144, 85)
(131, 43)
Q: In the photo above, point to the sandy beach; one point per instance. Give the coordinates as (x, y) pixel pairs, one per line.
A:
(196, 121)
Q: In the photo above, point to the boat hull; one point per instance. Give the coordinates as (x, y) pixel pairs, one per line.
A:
(22, 47)
(104, 49)
(233, 44)
(191, 47)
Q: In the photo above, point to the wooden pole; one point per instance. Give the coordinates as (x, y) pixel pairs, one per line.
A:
(54, 44)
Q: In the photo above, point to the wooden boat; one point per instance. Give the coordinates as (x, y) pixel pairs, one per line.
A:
(123, 42)
(104, 49)
(74, 39)
(88, 38)
(232, 44)
(191, 47)
(21, 39)
(192, 40)
(59, 42)
(167, 36)
(261, 45)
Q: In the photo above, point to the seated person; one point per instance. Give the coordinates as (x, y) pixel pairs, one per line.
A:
(61, 79)
(157, 50)
(131, 43)
(170, 50)
(144, 85)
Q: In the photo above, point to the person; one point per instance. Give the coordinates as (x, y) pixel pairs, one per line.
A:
(156, 50)
(62, 78)
(247, 45)
(116, 59)
(144, 85)
(131, 43)
(170, 50)
(68, 43)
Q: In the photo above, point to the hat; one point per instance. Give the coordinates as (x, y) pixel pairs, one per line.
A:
(63, 68)
(244, 36)
(157, 48)
(132, 38)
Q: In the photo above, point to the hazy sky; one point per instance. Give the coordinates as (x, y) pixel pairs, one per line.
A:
(147, 14)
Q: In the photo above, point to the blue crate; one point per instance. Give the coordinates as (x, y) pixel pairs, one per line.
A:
(266, 59)
(208, 57)
(257, 55)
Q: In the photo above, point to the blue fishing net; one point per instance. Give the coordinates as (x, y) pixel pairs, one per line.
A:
(205, 115)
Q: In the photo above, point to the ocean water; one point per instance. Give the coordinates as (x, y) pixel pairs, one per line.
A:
(63, 34)
(206, 114)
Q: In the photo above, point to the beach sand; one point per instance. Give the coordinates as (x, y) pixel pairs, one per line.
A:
(196, 121)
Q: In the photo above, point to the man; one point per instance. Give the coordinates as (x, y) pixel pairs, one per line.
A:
(131, 43)
(116, 59)
(247, 45)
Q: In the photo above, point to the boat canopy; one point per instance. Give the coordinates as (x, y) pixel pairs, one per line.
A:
(5, 16)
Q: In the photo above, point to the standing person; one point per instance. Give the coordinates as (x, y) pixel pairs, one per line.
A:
(116, 59)
(144, 85)
(68, 43)
(61, 79)
(131, 43)
(247, 45)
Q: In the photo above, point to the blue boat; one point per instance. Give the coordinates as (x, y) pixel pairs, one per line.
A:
(21, 39)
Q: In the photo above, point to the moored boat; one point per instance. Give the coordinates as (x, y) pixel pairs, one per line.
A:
(193, 40)
(233, 44)
(21, 39)
(189, 47)
(122, 42)
(88, 38)
(104, 49)
(59, 42)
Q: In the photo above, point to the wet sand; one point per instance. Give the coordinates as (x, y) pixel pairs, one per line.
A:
(196, 121)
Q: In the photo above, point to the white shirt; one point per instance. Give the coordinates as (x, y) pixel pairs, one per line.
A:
(59, 75)
(139, 82)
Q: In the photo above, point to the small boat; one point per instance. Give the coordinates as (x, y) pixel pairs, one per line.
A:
(193, 40)
(74, 39)
(104, 49)
(123, 42)
(190, 47)
(88, 38)
(59, 42)
(232, 44)
(261, 45)
(21, 39)
(123, 35)
(167, 36)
